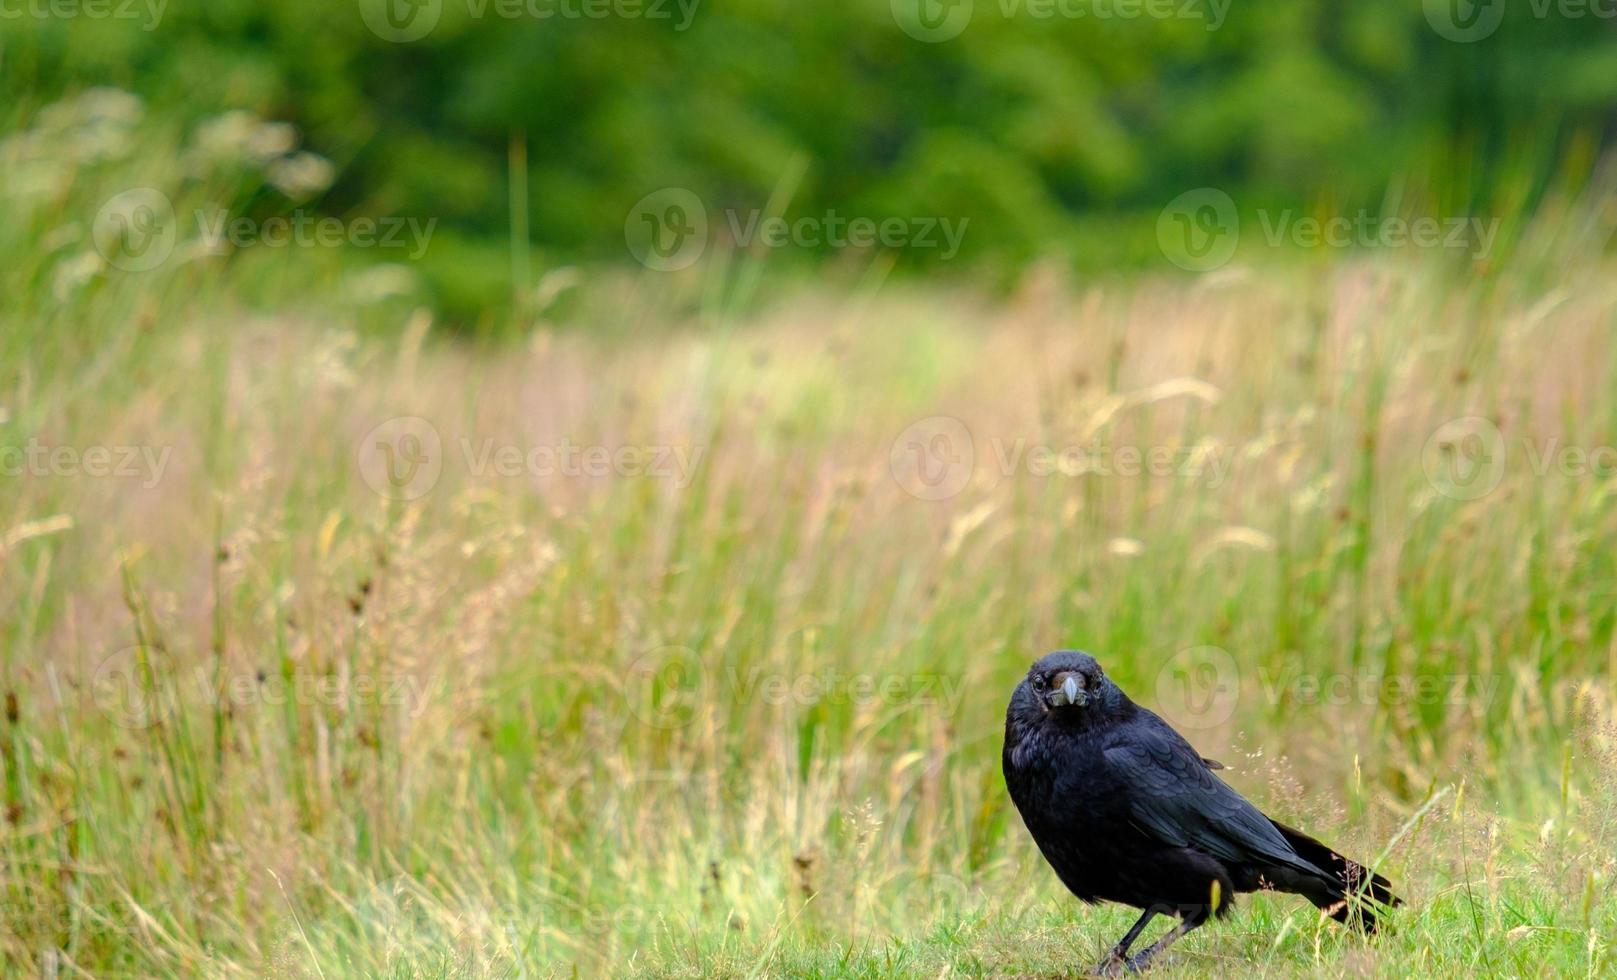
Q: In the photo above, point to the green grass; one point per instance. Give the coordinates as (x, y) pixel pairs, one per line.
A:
(748, 724)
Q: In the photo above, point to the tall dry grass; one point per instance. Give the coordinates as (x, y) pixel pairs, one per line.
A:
(741, 715)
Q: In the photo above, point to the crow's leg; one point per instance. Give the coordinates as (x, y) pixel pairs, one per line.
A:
(1114, 959)
(1143, 959)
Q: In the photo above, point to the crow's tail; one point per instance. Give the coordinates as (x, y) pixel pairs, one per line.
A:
(1356, 896)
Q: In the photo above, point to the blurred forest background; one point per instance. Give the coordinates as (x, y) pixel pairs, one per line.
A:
(1056, 136)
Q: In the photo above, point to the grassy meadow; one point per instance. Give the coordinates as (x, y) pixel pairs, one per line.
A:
(681, 649)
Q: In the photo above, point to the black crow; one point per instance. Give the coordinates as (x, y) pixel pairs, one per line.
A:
(1126, 811)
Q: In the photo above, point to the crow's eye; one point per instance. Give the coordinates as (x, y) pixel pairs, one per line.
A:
(1038, 683)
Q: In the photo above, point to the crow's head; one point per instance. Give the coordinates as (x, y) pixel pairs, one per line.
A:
(1067, 685)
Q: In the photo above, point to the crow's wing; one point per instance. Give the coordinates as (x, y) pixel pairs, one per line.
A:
(1175, 798)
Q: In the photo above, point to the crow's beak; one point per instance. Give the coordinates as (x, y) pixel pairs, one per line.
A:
(1064, 690)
